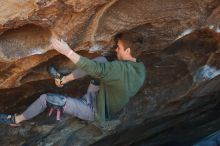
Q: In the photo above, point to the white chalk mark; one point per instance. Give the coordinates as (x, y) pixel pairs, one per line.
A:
(185, 32)
(206, 73)
(35, 51)
(95, 48)
(211, 26)
(218, 29)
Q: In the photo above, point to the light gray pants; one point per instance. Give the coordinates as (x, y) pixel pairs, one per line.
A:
(82, 108)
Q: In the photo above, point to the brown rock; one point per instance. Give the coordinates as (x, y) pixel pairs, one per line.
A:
(181, 54)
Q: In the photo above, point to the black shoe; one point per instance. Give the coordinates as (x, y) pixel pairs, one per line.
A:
(7, 119)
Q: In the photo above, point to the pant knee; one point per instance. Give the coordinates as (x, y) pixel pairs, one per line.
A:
(43, 99)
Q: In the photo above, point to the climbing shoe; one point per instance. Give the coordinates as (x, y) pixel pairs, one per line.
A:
(7, 119)
(52, 71)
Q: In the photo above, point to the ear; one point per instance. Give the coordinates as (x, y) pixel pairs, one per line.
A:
(128, 50)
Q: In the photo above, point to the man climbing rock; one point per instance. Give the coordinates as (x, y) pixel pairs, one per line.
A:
(118, 81)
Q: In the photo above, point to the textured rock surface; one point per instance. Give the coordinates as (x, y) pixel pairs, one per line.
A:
(182, 42)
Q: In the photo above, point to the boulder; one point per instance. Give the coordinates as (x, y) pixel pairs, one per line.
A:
(181, 54)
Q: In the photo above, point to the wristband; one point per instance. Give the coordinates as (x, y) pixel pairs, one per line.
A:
(70, 53)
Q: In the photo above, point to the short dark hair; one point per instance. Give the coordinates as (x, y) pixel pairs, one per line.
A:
(132, 40)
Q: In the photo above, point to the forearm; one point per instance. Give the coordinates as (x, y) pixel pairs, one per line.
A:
(76, 74)
(68, 78)
(73, 56)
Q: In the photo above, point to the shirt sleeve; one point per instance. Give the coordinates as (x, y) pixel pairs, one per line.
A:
(78, 73)
(104, 71)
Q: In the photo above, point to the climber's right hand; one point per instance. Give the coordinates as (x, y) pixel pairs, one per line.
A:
(62, 81)
(59, 82)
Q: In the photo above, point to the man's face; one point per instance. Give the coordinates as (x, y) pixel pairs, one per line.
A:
(120, 50)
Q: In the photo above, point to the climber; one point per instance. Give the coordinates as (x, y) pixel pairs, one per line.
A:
(117, 82)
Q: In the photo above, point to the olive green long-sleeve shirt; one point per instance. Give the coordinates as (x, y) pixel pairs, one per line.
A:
(120, 80)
